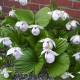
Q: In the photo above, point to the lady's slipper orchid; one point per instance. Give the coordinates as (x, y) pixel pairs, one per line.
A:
(64, 15)
(5, 72)
(77, 56)
(49, 55)
(36, 29)
(75, 39)
(15, 51)
(22, 25)
(23, 2)
(6, 41)
(72, 24)
(55, 14)
(48, 43)
(11, 13)
(67, 75)
(0, 8)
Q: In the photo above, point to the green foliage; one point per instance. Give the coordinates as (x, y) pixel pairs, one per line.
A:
(29, 62)
(32, 60)
(3, 59)
(42, 18)
(53, 5)
(16, 36)
(9, 20)
(61, 46)
(60, 65)
(25, 15)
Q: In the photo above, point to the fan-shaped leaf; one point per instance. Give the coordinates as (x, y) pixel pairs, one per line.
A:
(29, 62)
(60, 65)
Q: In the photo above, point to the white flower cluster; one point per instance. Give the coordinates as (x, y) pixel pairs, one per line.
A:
(67, 75)
(56, 14)
(22, 2)
(47, 46)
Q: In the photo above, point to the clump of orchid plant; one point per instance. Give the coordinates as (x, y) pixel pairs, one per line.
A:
(48, 38)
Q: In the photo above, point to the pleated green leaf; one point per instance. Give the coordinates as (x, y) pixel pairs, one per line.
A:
(60, 65)
(29, 62)
(61, 46)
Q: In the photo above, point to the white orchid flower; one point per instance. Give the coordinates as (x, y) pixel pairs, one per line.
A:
(75, 39)
(23, 2)
(36, 29)
(6, 41)
(5, 72)
(12, 13)
(67, 75)
(15, 51)
(55, 14)
(77, 56)
(22, 25)
(49, 55)
(72, 24)
(64, 15)
(48, 43)
(0, 8)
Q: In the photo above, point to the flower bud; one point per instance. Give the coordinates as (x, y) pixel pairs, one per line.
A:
(23, 2)
(75, 39)
(11, 13)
